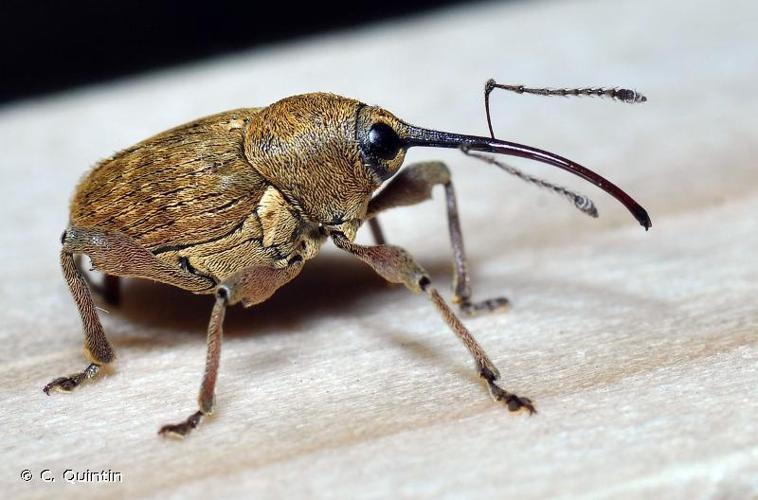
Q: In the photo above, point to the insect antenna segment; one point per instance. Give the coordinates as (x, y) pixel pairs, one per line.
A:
(580, 201)
(618, 94)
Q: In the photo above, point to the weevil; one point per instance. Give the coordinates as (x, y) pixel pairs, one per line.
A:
(233, 205)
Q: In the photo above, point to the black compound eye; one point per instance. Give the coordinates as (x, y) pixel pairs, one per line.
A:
(383, 142)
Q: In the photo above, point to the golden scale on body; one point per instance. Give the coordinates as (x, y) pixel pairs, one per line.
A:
(234, 204)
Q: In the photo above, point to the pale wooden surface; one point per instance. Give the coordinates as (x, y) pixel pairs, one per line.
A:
(639, 349)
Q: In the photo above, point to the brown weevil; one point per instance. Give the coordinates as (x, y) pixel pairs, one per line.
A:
(234, 204)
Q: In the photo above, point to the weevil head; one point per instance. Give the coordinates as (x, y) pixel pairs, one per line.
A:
(327, 153)
(330, 153)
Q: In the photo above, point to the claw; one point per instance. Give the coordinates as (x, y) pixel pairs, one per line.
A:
(67, 384)
(512, 401)
(515, 403)
(61, 384)
(497, 304)
(180, 431)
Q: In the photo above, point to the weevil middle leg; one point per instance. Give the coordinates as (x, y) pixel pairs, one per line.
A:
(250, 286)
(206, 399)
(397, 266)
(413, 185)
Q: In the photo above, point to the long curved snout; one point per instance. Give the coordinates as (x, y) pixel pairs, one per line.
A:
(416, 136)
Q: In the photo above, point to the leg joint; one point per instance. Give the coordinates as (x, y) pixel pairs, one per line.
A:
(223, 292)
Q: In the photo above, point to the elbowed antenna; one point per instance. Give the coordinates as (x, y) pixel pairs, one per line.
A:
(616, 93)
(417, 136)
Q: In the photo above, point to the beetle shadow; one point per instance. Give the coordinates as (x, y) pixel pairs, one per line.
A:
(331, 284)
(328, 285)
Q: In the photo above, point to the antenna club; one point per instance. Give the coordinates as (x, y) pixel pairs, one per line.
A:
(629, 96)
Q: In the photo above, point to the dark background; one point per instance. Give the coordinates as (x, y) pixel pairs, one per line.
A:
(54, 45)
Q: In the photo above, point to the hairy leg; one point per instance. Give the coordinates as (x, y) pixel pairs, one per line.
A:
(413, 185)
(250, 286)
(206, 398)
(397, 266)
(96, 344)
(109, 288)
(117, 255)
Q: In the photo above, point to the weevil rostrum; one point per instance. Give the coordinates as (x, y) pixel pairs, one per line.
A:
(233, 205)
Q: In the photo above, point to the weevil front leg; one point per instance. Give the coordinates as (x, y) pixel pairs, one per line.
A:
(413, 185)
(250, 286)
(397, 266)
(117, 255)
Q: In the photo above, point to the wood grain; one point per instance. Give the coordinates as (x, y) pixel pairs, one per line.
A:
(639, 349)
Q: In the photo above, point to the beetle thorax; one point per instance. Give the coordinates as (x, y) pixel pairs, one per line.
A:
(306, 147)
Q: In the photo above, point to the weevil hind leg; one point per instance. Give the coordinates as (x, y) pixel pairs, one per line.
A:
(96, 343)
(109, 288)
(414, 185)
(397, 266)
(114, 254)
